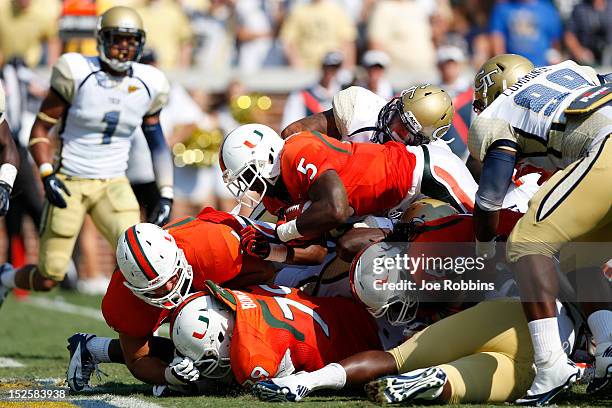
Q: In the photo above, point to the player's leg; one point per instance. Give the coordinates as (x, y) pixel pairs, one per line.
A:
(59, 230)
(450, 339)
(486, 377)
(567, 207)
(114, 208)
(87, 351)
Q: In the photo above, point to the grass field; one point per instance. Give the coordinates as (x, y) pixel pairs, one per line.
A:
(33, 334)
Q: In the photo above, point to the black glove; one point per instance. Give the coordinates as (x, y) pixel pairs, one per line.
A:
(5, 196)
(53, 190)
(161, 215)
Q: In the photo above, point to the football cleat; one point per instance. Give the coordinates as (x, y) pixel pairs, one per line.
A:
(4, 291)
(423, 384)
(603, 369)
(550, 381)
(284, 389)
(82, 363)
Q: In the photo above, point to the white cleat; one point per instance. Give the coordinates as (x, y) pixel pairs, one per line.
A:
(550, 380)
(284, 389)
(603, 369)
(424, 384)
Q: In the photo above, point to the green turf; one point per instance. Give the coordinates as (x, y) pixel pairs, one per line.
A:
(37, 337)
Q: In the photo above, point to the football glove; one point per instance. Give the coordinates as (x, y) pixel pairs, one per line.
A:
(53, 190)
(161, 215)
(5, 196)
(181, 371)
(255, 242)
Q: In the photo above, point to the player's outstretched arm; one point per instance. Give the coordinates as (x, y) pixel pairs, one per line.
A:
(329, 208)
(162, 167)
(322, 122)
(140, 360)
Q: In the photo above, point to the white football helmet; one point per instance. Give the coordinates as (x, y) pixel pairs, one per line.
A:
(201, 329)
(249, 160)
(148, 257)
(377, 286)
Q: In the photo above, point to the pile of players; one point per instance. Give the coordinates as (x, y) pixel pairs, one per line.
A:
(281, 296)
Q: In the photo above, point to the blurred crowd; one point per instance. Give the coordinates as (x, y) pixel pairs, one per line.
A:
(345, 41)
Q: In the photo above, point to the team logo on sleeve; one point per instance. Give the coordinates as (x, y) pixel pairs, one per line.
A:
(132, 88)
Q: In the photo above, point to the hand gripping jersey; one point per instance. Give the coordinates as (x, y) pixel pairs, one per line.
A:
(279, 331)
(356, 113)
(531, 114)
(211, 245)
(376, 177)
(103, 113)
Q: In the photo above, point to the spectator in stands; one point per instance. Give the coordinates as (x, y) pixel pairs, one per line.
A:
(214, 35)
(318, 97)
(255, 31)
(452, 79)
(375, 63)
(531, 28)
(588, 34)
(168, 32)
(25, 25)
(313, 29)
(402, 29)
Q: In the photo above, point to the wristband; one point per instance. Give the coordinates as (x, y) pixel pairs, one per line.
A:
(166, 192)
(45, 169)
(278, 253)
(171, 378)
(288, 231)
(8, 172)
(486, 249)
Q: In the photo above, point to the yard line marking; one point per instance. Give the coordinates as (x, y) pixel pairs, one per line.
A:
(106, 400)
(6, 362)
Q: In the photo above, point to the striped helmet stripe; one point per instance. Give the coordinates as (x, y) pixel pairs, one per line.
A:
(138, 254)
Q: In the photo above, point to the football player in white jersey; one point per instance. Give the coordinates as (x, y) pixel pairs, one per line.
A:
(9, 157)
(559, 117)
(96, 103)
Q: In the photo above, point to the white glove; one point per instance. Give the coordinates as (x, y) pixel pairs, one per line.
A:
(181, 371)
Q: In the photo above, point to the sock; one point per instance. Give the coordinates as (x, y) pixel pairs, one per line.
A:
(7, 279)
(98, 346)
(332, 376)
(600, 323)
(545, 339)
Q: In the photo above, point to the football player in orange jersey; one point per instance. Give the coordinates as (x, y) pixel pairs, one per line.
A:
(270, 331)
(340, 179)
(159, 267)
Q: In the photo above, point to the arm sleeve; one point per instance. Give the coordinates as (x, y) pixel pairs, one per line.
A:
(343, 106)
(162, 159)
(495, 179)
(62, 80)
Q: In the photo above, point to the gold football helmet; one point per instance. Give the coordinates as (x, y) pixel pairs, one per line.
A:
(115, 25)
(497, 74)
(427, 209)
(426, 111)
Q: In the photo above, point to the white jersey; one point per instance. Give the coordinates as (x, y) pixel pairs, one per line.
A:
(103, 114)
(356, 113)
(530, 113)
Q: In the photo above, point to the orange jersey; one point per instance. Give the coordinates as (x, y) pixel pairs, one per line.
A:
(278, 327)
(376, 177)
(212, 247)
